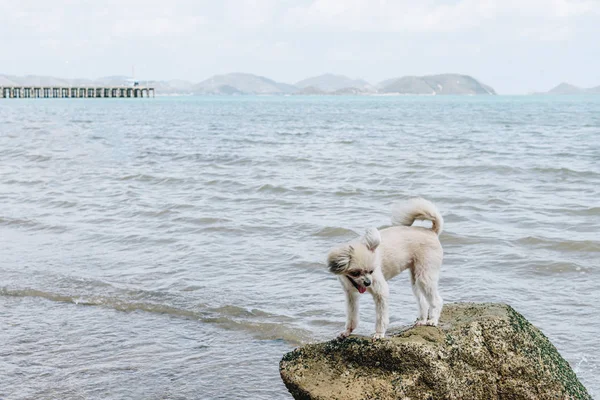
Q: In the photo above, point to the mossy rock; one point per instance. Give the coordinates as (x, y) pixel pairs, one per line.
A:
(479, 351)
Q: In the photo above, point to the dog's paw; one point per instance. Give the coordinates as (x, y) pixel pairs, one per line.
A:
(378, 336)
(420, 322)
(343, 335)
(431, 322)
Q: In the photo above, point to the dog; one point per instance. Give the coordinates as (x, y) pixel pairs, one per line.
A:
(368, 262)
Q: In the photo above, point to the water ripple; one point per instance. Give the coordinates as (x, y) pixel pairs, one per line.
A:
(197, 238)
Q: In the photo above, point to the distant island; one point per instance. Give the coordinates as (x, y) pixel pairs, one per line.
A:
(567, 88)
(249, 84)
(330, 84)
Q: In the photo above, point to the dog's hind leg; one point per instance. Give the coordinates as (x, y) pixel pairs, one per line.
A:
(423, 305)
(426, 278)
(351, 313)
(435, 301)
(421, 300)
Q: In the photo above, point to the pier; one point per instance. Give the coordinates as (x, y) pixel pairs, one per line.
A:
(78, 92)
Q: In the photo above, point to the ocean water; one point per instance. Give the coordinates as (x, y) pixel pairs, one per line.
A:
(174, 247)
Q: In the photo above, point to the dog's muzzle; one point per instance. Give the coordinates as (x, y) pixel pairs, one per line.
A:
(361, 289)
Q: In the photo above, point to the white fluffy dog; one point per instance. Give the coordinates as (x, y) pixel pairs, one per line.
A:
(368, 262)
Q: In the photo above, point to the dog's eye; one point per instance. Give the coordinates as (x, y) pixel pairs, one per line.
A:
(355, 273)
(371, 271)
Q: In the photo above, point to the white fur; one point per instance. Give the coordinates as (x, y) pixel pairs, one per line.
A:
(370, 261)
(407, 212)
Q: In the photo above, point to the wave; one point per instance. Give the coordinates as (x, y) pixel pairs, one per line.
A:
(151, 178)
(30, 224)
(62, 204)
(24, 183)
(272, 189)
(584, 212)
(556, 267)
(222, 182)
(38, 158)
(154, 213)
(348, 192)
(202, 220)
(451, 238)
(568, 172)
(260, 324)
(334, 231)
(561, 245)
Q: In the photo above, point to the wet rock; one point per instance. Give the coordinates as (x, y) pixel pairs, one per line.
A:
(479, 351)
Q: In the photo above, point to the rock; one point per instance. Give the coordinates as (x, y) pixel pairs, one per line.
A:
(479, 351)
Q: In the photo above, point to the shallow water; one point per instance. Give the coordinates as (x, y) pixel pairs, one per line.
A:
(174, 247)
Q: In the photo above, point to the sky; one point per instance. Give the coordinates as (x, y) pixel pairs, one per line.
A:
(516, 46)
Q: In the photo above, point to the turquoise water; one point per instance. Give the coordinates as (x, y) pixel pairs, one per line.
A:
(174, 247)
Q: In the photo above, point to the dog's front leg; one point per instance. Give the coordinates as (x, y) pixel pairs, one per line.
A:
(380, 293)
(352, 298)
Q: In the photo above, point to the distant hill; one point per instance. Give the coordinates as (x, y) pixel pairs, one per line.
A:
(37, 80)
(311, 90)
(6, 81)
(354, 91)
(249, 84)
(434, 85)
(162, 87)
(174, 86)
(116, 80)
(332, 82)
(406, 85)
(567, 88)
(241, 83)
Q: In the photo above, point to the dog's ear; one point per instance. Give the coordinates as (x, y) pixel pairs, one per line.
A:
(339, 259)
(372, 238)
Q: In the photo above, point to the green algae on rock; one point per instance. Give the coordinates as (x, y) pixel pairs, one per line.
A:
(479, 351)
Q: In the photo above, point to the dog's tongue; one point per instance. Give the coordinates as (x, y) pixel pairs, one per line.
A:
(362, 289)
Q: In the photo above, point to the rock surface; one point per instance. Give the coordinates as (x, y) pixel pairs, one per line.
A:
(479, 351)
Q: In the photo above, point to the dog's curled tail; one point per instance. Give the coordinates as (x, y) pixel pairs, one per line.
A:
(407, 212)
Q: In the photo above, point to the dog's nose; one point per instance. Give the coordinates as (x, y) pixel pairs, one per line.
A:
(367, 282)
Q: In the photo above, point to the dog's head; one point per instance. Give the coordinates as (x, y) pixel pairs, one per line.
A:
(357, 260)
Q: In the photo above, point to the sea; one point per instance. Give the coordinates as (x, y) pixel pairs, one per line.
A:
(174, 248)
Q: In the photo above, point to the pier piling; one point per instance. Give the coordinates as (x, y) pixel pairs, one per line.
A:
(82, 92)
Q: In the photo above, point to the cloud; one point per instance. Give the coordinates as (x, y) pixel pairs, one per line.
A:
(251, 14)
(151, 18)
(430, 16)
(156, 27)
